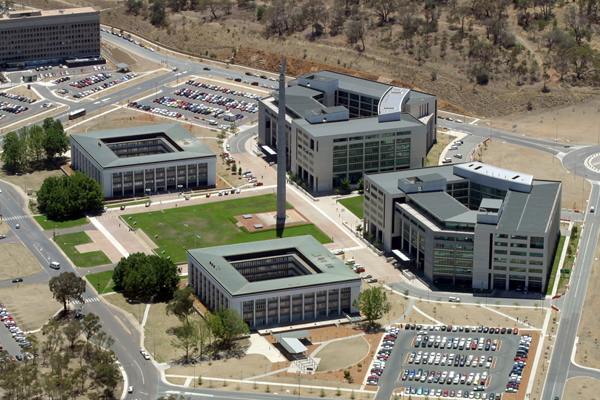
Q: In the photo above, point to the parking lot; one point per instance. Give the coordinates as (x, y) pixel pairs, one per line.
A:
(453, 362)
(14, 107)
(215, 105)
(81, 86)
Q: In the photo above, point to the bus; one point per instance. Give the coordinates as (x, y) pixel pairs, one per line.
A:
(77, 113)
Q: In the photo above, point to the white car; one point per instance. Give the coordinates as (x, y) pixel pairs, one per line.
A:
(130, 389)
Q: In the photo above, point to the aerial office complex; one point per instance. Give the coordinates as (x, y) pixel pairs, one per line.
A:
(469, 225)
(339, 127)
(144, 160)
(35, 37)
(273, 282)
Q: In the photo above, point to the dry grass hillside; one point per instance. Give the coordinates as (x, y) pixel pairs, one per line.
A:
(238, 37)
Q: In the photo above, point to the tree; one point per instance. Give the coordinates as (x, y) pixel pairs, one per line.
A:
(216, 7)
(146, 277)
(13, 152)
(134, 6)
(355, 32)
(90, 325)
(383, 9)
(316, 14)
(345, 185)
(226, 325)
(55, 139)
(35, 143)
(577, 24)
(72, 332)
(69, 197)
(67, 287)
(373, 304)
(186, 338)
(182, 304)
(158, 13)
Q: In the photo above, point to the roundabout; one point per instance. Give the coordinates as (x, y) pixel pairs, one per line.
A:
(584, 162)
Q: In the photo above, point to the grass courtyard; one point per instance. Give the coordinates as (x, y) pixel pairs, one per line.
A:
(354, 205)
(48, 224)
(68, 244)
(101, 281)
(177, 229)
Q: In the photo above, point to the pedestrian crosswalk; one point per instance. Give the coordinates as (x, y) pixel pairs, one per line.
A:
(15, 218)
(87, 300)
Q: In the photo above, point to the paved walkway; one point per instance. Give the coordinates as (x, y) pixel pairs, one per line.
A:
(260, 345)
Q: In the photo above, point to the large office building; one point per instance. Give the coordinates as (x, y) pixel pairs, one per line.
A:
(274, 282)
(35, 37)
(339, 127)
(469, 225)
(144, 160)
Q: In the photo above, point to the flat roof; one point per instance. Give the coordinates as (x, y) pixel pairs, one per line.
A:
(302, 334)
(357, 126)
(522, 211)
(388, 181)
(47, 13)
(292, 345)
(443, 207)
(333, 270)
(528, 212)
(299, 100)
(352, 83)
(188, 146)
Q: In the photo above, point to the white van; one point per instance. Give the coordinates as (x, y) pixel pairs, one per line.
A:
(55, 265)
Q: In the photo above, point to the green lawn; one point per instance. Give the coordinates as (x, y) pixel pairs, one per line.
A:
(48, 224)
(177, 229)
(101, 281)
(559, 249)
(354, 205)
(91, 259)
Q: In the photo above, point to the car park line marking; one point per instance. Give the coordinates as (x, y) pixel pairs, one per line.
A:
(234, 83)
(36, 115)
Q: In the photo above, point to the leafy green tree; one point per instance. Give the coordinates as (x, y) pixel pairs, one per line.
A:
(69, 197)
(35, 143)
(373, 304)
(345, 185)
(72, 332)
(67, 287)
(146, 277)
(55, 140)
(90, 325)
(226, 325)
(158, 13)
(134, 6)
(14, 152)
(182, 304)
(186, 338)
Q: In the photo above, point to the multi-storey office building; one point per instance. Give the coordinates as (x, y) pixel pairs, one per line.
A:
(340, 127)
(36, 37)
(273, 282)
(144, 160)
(468, 225)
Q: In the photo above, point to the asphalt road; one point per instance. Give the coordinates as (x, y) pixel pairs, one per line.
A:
(572, 306)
